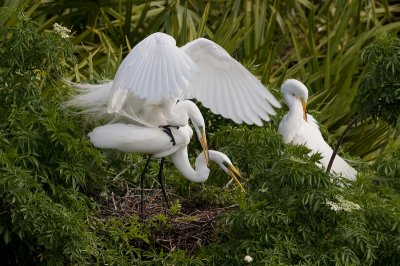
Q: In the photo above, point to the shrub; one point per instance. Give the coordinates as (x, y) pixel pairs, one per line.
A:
(295, 214)
(44, 159)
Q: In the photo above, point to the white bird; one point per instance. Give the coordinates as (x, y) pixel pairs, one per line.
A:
(153, 141)
(156, 76)
(154, 81)
(156, 73)
(298, 127)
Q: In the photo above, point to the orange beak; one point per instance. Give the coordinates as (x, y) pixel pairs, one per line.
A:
(203, 142)
(304, 104)
(234, 174)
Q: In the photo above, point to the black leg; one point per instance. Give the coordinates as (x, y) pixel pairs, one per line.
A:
(142, 176)
(160, 179)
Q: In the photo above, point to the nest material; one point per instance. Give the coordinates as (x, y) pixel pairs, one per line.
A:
(189, 229)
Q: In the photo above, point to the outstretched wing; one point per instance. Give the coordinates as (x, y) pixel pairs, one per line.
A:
(155, 70)
(227, 87)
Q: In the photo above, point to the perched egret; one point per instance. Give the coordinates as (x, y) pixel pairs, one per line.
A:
(298, 127)
(151, 90)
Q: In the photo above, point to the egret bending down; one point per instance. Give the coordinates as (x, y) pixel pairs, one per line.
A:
(153, 141)
(150, 91)
(298, 127)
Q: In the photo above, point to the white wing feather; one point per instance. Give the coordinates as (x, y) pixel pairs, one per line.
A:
(227, 87)
(154, 70)
(156, 73)
(90, 95)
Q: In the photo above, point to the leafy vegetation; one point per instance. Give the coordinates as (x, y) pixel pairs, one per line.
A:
(291, 215)
(44, 159)
(54, 185)
(379, 92)
(378, 96)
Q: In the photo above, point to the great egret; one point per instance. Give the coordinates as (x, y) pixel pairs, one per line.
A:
(154, 81)
(156, 74)
(153, 141)
(298, 127)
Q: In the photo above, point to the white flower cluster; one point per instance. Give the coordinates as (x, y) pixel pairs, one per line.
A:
(343, 205)
(248, 259)
(63, 31)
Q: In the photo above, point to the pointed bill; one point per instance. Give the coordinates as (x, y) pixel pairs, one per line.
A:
(234, 173)
(304, 104)
(203, 142)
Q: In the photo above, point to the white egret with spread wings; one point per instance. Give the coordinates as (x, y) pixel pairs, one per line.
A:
(299, 127)
(151, 90)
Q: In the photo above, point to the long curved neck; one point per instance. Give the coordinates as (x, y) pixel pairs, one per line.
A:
(191, 109)
(181, 161)
(178, 114)
(295, 108)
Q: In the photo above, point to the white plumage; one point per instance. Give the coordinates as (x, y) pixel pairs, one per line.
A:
(153, 141)
(227, 87)
(153, 81)
(134, 138)
(156, 70)
(150, 90)
(298, 127)
(157, 73)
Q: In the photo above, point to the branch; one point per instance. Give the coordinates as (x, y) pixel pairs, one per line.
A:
(335, 151)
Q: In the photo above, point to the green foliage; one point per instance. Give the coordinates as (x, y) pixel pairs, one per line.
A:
(290, 215)
(175, 257)
(51, 176)
(317, 42)
(123, 239)
(388, 169)
(44, 158)
(379, 94)
(175, 208)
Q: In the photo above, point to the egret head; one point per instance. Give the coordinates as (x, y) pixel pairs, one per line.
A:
(295, 91)
(226, 165)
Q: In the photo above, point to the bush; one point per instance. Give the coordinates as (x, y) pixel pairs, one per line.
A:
(45, 160)
(379, 94)
(295, 214)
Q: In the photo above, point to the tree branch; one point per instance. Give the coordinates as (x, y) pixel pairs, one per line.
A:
(335, 151)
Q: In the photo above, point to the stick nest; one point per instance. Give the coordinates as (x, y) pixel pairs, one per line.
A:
(188, 229)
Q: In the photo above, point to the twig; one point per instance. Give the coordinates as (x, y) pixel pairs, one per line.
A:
(183, 233)
(335, 151)
(126, 169)
(113, 200)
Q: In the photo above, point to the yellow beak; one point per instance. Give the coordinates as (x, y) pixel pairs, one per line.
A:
(203, 142)
(304, 104)
(234, 173)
